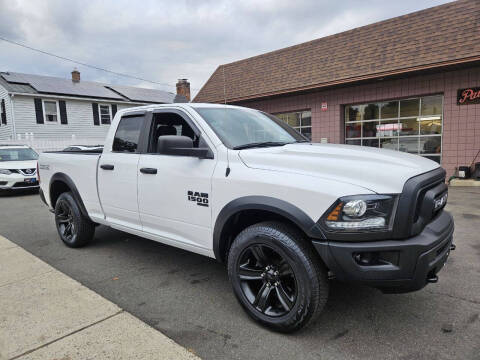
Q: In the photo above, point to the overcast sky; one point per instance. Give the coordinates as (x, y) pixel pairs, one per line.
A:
(167, 40)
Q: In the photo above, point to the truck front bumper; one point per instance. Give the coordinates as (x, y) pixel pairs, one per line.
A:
(392, 265)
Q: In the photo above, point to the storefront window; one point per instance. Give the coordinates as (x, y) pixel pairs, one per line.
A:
(410, 107)
(354, 113)
(431, 125)
(363, 112)
(353, 130)
(389, 109)
(391, 143)
(432, 105)
(371, 112)
(409, 125)
(370, 142)
(299, 120)
(369, 129)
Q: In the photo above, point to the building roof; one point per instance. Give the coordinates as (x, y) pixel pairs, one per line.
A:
(439, 36)
(37, 84)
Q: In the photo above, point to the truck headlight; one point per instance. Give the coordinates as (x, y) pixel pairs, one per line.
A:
(360, 212)
(5, 172)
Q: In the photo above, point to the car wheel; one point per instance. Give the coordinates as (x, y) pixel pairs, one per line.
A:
(74, 229)
(277, 276)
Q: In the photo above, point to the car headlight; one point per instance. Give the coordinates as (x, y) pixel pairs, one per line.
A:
(5, 171)
(360, 213)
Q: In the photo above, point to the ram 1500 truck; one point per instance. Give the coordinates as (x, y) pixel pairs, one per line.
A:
(241, 186)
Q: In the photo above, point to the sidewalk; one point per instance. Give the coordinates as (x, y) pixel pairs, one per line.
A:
(44, 314)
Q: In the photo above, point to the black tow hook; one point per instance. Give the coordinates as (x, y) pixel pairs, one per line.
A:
(433, 279)
(453, 247)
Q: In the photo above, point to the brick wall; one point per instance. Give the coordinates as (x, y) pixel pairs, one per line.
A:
(461, 124)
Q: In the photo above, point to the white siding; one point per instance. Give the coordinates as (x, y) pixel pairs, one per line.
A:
(79, 115)
(6, 132)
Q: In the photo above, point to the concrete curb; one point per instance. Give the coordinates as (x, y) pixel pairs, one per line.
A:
(47, 315)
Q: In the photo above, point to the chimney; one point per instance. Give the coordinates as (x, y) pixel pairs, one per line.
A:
(183, 88)
(75, 75)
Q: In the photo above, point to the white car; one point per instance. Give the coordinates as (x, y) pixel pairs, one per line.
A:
(241, 186)
(18, 167)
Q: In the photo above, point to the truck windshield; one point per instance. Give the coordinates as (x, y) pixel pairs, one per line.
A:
(247, 128)
(20, 154)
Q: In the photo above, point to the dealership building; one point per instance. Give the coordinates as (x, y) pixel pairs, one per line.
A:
(410, 83)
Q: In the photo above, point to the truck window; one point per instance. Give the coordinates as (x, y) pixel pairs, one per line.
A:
(170, 124)
(128, 134)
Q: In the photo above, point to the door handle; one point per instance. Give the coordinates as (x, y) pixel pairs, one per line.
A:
(148, 171)
(107, 167)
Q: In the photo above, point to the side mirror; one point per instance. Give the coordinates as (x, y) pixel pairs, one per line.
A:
(181, 146)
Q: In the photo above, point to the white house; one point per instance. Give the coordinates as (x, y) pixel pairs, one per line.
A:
(44, 108)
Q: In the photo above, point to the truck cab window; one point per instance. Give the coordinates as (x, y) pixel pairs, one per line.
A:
(170, 124)
(128, 134)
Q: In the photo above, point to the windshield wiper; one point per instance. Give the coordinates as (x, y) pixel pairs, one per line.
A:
(260, 144)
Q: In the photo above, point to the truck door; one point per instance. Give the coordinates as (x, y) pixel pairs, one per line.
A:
(174, 192)
(118, 173)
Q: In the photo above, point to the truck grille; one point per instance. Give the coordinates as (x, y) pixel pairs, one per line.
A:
(421, 196)
(417, 203)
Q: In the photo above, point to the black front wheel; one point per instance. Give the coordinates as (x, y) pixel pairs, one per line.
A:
(74, 229)
(277, 276)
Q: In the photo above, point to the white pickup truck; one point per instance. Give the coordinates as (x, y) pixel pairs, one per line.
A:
(241, 186)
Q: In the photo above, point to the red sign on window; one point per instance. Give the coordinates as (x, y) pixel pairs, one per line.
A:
(324, 106)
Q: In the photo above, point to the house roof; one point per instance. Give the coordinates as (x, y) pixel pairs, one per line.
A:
(439, 36)
(37, 84)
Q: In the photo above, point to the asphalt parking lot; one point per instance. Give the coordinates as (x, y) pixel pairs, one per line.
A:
(188, 297)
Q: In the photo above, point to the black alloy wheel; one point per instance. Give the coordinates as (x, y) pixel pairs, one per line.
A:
(74, 228)
(64, 219)
(267, 280)
(277, 276)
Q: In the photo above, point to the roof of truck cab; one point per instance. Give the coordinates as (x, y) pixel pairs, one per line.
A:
(210, 105)
(178, 105)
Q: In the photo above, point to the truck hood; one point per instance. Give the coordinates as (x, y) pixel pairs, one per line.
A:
(378, 170)
(28, 164)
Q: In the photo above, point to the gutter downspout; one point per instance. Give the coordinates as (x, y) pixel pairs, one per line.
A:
(12, 114)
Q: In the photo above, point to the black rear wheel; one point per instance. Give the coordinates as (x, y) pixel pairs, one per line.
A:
(74, 229)
(277, 276)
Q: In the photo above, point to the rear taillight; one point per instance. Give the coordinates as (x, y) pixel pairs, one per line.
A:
(38, 173)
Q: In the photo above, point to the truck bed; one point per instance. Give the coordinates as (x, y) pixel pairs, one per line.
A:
(80, 167)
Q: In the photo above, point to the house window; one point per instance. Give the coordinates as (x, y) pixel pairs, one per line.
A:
(410, 125)
(299, 120)
(50, 111)
(105, 114)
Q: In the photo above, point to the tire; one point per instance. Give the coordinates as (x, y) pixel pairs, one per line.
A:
(74, 229)
(277, 254)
